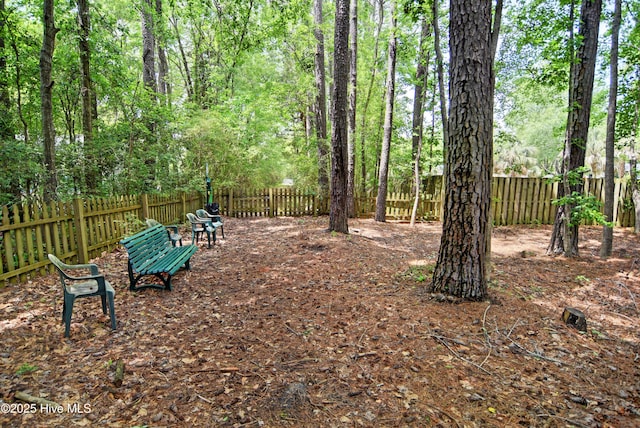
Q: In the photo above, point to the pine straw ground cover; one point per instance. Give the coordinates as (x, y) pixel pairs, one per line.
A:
(285, 324)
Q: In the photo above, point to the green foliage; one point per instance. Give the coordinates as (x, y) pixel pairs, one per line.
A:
(26, 368)
(583, 209)
(242, 94)
(419, 274)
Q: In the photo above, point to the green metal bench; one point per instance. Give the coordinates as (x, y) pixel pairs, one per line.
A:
(152, 253)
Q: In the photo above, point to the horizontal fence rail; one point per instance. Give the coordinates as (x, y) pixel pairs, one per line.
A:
(81, 230)
(78, 231)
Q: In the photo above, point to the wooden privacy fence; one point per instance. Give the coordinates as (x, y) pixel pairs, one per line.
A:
(523, 200)
(80, 230)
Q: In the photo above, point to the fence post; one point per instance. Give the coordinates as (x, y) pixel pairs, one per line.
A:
(183, 213)
(82, 239)
(144, 203)
(272, 204)
(230, 202)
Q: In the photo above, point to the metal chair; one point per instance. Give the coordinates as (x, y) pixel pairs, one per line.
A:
(75, 287)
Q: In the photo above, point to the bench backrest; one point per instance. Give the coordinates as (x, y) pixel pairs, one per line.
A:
(147, 244)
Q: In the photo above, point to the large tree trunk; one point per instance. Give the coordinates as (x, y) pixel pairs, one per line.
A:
(353, 79)
(635, 192)
(460, 270)
(381, 199)
(565, 232)
(46, 89)
(86, 95)
(338, 214)
(609, 177)
(321, 104)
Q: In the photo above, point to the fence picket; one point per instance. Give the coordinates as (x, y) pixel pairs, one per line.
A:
(28, 233)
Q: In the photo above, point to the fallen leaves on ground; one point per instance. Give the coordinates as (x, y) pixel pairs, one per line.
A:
(285, 324)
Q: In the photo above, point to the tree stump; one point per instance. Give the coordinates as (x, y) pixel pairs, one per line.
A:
(575, 318)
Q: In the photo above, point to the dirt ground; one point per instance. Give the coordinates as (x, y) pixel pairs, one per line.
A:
(285, 324)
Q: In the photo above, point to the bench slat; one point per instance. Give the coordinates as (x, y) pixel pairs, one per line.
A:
(151, 253)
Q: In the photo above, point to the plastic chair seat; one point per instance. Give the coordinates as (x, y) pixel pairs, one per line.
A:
(89, 287)
(75, 287)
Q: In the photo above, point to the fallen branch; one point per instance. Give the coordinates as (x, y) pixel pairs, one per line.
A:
(23, 396)
(443, 340)
(437, 409)
(534, 354)
(486, 335)
(364, 354)
(117, 381)
(219, 369)
(298, 362)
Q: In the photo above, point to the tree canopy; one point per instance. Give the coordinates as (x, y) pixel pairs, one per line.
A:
(234, 88)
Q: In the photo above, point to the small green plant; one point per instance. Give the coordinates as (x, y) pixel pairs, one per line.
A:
(26, 368)
(419, 273)
(583, 208)
(582, 280)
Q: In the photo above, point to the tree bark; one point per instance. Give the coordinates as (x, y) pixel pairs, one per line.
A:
(353, 79)
(6, 127)
(440, 72)
(46, 89)
(365, 108)
(565, 234)
(419, 94)
(338, 214)
(86, 95)
(188, 82)
(321, 104)
(148, 47)
(381, 200)
(164, 87)
(609, 175)
(460, 269)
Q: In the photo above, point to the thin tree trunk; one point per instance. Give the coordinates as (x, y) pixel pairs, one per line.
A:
(418, 113)
(365, 108)
(46, 89)
(440, 70)
(6, 128)
(86, 95)
(321, 104)
(609, 177)
(188, 83)
(338, 211)
(381, 200)
(581, 87)
(148, 47)
(353, 74)
(164, 87)
(23, 120)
